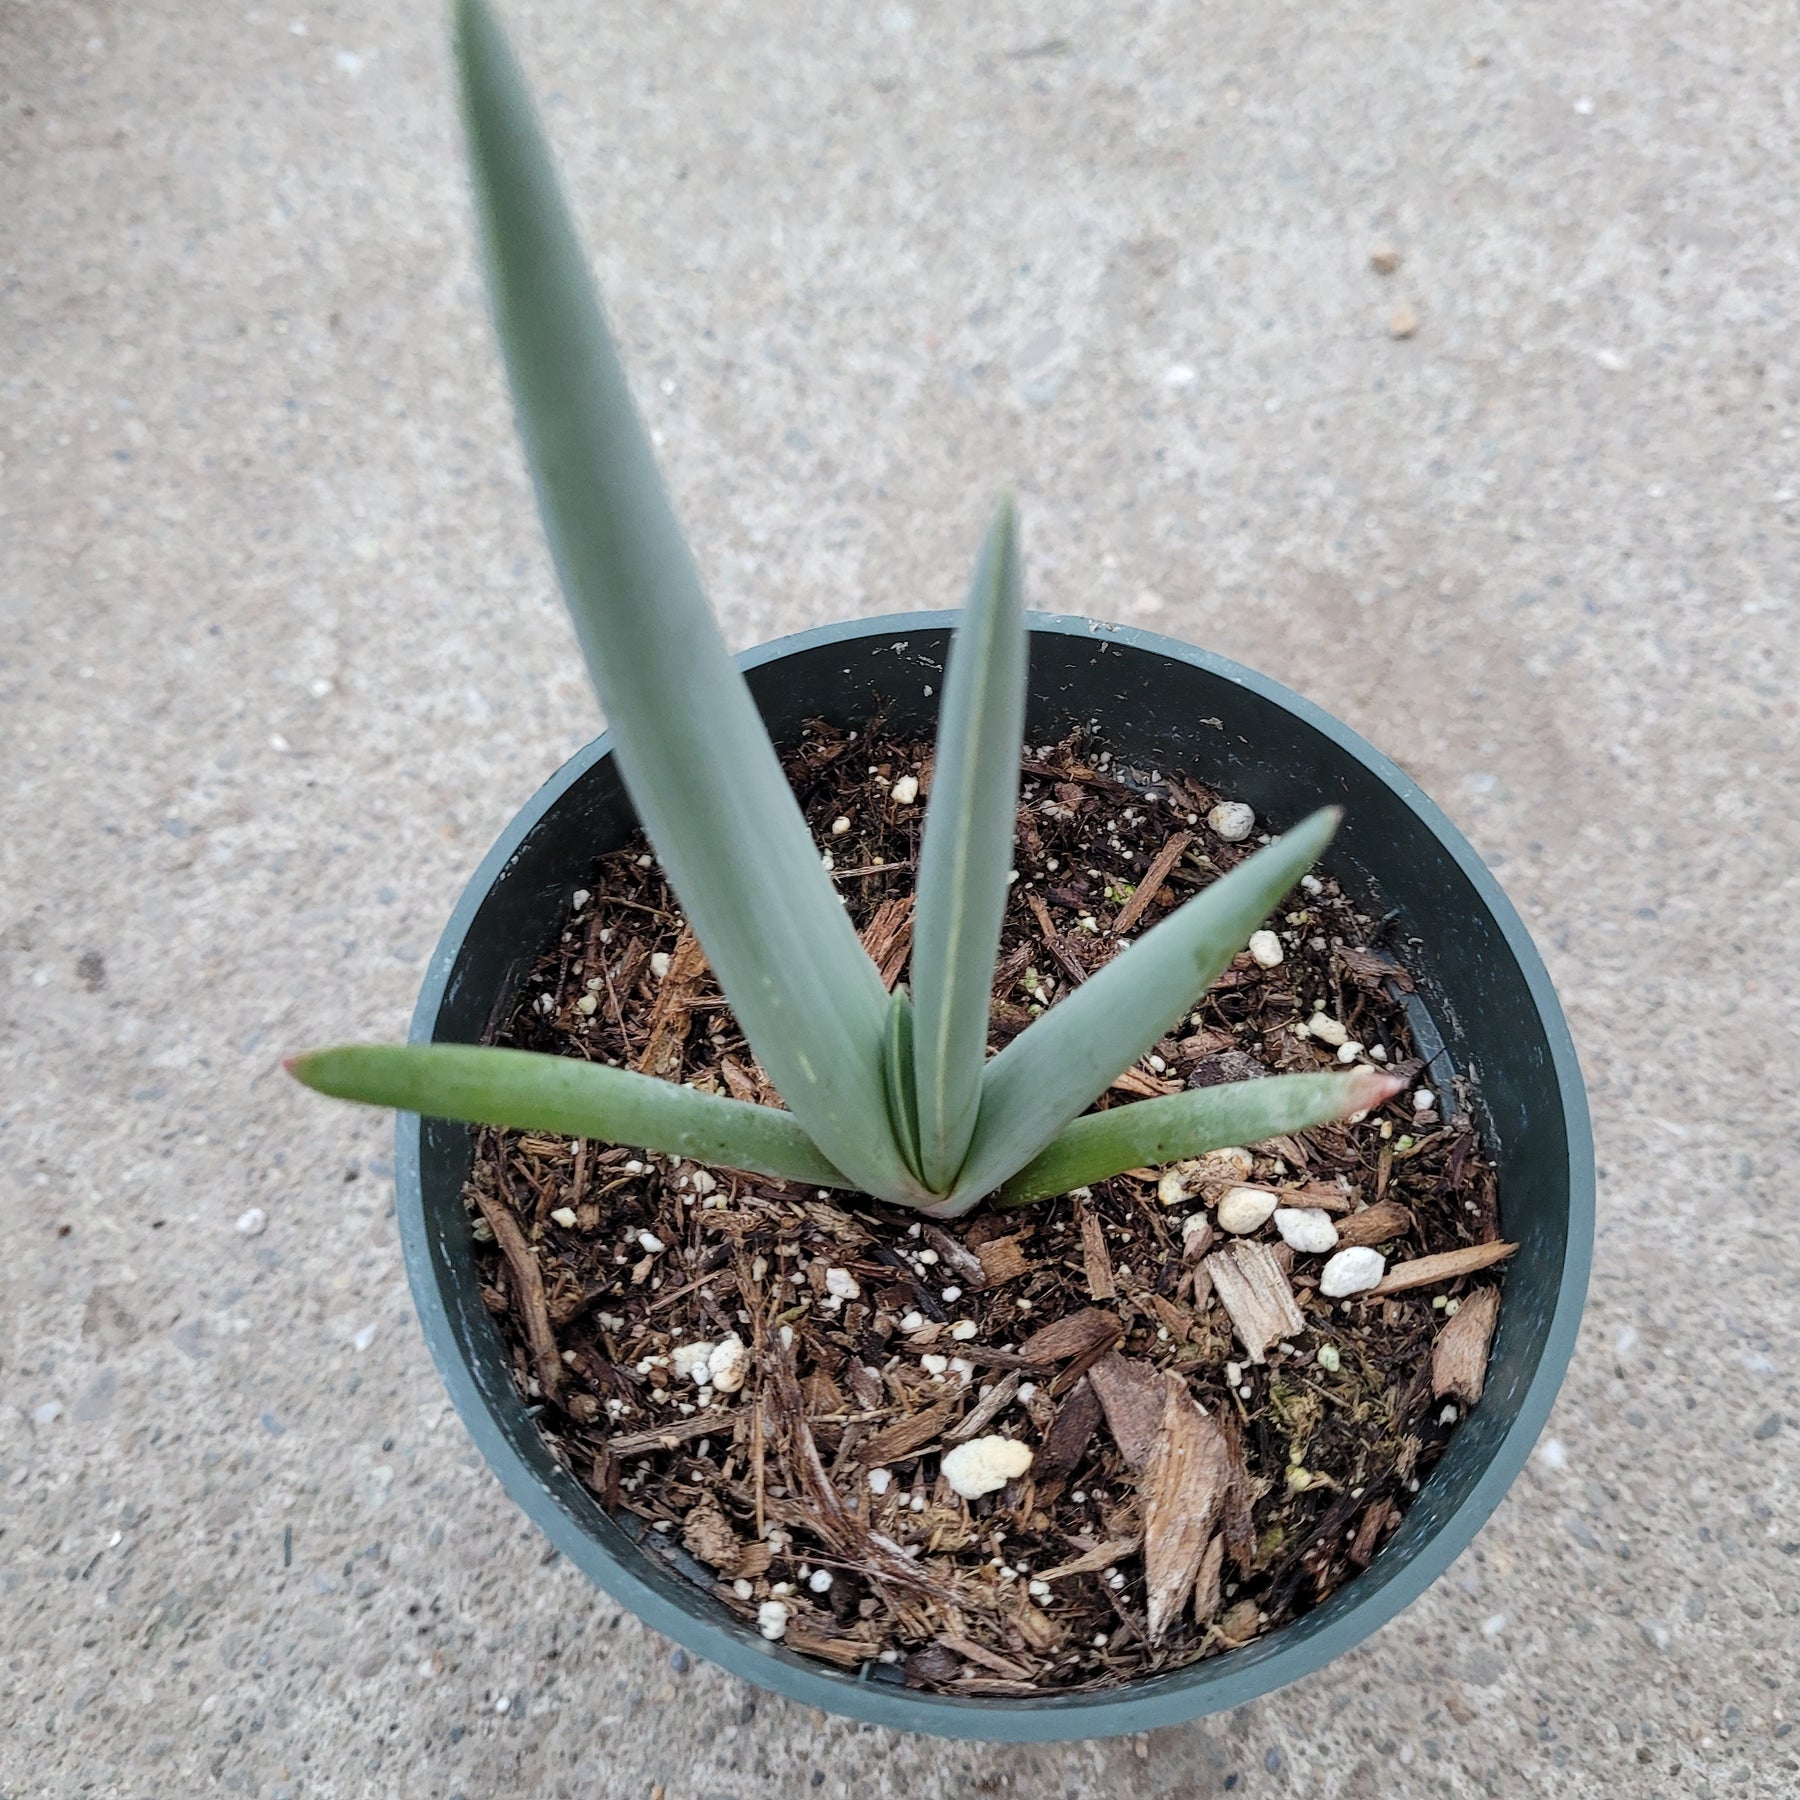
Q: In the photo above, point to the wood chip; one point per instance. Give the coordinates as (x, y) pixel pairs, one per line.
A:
(979, 1653)
(1003, 1259)
(1253, 1290)
(1066, 1441)
(528, 1278)
(1208, 1597)
(672, 1011)
(1237, 1519)
(708, 1535)
(989, 1409)
(1459, 1357)
(1376, 1224)
(1142, 1086)
(1071, 1336)
(1370, 1532)
(1131, 1395)
(739, 1082)
(1154, 876)
(951, 1252)
(1182, 1487)
(1327, 1196)
(1091, 1562)
(847, 1653)
(1373, 967)
(1095, 1257)
(667, 1436)
(888, 938)
(1054, 941)
(906, 1436)
(1428, 1271)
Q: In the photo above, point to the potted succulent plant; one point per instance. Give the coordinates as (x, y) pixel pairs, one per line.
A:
(1022, 1347)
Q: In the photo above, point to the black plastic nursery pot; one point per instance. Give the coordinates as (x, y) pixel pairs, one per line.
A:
(1484, 1010)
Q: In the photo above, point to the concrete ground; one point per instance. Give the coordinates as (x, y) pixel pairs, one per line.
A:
(280, 655)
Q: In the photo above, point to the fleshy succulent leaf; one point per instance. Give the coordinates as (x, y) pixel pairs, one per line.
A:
(1056, 1067)
(967, 853)
(696, 759)
(903, 1108)
(1149, 1133)
(529, 1091)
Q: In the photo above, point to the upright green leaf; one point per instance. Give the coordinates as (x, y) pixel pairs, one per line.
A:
(967, 854)
(694, 754)
(1149, 1133)
(903, 1104)
(1054, 1069)
(532, 1092)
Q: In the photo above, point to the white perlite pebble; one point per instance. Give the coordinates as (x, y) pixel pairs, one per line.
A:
(963, 1330)
(728, 1364)
(984, 1465)
(1327, 1030)
(582, 897)
(842, 1283)
(659, 964)
(771, 1620)
(690, 1362)
(1232, 820)
(648, 1240)
(906, 790)
(253, 1222)
(880, 1480)
(565, 1217)
(1265, 948)
(1352, 1271)
(839, 826)
(1307, 1229)
(1424, 1100)
(1245, 1209)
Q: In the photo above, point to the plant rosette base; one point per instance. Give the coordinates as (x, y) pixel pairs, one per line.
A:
(1165, 710)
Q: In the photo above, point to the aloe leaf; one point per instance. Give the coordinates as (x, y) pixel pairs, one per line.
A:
(967, 854)
(1055, 1068)
(903, 1109)
(695, 757)
(532, 1092)
(1149, 1133)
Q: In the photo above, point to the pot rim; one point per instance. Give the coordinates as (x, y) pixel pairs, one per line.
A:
(1242, 1676)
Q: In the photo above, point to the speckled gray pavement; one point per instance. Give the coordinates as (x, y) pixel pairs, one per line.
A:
(279, 655)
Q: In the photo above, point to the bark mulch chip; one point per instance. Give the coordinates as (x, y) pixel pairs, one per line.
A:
(767, 1378)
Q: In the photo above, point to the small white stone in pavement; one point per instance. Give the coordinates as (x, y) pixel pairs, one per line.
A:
(905, 791)
(1246, 1209)
(1265, 949)
(1307, 1229)
(253, 1223)
(771, 1620)
(1232, 820)
(984, 1465)
(1352, 1271)
(1327, 1030)
(842, 1283)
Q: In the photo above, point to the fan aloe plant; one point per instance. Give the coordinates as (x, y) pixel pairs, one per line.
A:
(893, 1095)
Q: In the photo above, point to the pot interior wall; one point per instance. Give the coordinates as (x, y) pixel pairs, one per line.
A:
(1245, 737)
